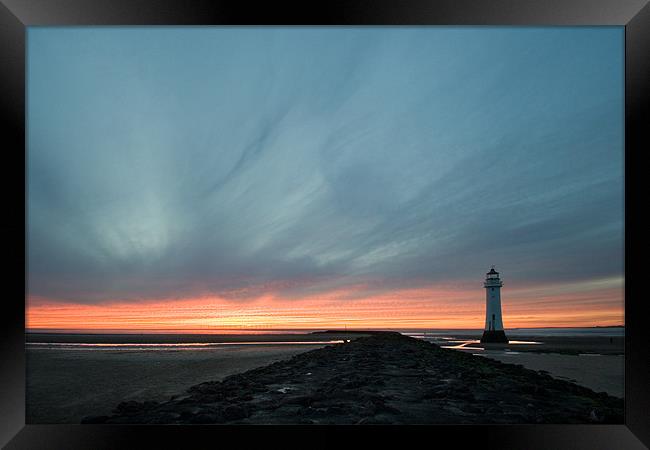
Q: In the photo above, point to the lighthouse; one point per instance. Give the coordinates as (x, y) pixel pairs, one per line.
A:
(493, 321)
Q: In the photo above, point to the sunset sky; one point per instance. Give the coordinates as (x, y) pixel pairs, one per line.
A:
(199, 179)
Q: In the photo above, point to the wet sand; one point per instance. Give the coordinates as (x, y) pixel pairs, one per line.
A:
(63, 386)
(596, 362)
(568, 345)
(600, 373)
(61, 338)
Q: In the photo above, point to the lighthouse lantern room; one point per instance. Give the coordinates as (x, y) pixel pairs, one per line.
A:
(493, 321)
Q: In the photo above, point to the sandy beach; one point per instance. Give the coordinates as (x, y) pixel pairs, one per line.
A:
(600, 373)
(65, 385)
(593, 361)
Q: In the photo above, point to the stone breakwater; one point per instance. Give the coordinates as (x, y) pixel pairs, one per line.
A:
(385, 378)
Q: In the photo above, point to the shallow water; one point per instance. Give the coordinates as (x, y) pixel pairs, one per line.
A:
(194, 346)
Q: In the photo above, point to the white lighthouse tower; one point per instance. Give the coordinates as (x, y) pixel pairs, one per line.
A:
(493, 321)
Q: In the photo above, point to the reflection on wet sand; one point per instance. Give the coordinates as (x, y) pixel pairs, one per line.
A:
(164, 346)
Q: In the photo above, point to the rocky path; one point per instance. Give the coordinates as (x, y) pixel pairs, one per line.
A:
(385, 378)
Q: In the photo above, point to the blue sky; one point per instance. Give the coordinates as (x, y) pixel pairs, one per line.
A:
(172, 162)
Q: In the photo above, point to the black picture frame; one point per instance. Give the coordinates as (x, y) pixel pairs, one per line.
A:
(16, 15)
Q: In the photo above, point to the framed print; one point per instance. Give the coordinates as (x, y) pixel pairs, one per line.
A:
(316, 223)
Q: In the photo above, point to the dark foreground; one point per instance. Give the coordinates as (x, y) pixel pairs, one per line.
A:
(385, 378)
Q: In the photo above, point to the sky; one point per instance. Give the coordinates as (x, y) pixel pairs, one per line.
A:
(204, 178)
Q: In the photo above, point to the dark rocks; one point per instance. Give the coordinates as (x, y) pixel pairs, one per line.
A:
(235, 412)
(383, 378)
(132, 407)
(301, 400)
(206, 418)
(95, 419)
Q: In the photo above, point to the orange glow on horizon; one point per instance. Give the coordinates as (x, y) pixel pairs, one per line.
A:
(575, 305)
